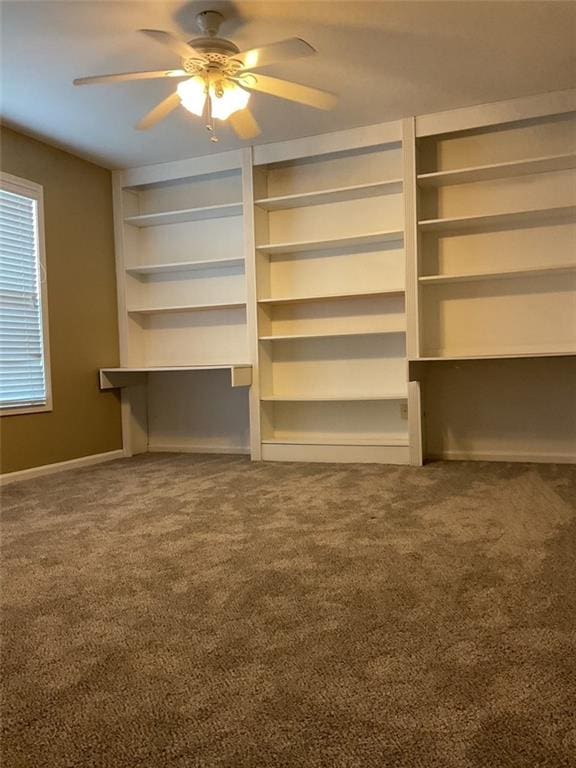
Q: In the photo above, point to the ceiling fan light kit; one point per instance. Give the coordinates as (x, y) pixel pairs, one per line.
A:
(216, 83)
(212, 97)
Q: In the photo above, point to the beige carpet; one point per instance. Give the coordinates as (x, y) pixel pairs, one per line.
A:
(204, 611)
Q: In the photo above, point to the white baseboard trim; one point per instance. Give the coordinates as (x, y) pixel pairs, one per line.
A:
(167, 448)
(336, 454)
(528, 458)
(60, 466)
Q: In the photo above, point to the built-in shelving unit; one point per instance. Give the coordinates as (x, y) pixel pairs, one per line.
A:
(183, 282)
(495, 287)
(182, 299)
(329, 232)
(385, 294)
(497, 240)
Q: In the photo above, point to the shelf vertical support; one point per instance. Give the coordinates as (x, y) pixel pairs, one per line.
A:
(128, 406)
(411, 240)
(415, 433)
(251, 302)
(135, 416)
(413, 295)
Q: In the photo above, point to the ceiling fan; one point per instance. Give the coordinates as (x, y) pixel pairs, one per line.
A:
(217, 78)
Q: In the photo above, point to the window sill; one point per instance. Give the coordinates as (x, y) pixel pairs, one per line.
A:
(20, 411)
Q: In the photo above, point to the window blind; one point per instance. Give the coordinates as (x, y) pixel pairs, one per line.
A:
(22, 370)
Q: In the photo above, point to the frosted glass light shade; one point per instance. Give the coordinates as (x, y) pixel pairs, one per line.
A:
(193, 95)
(225, 97)
(231, 99)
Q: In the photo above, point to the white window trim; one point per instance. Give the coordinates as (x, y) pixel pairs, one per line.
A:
(31, 189)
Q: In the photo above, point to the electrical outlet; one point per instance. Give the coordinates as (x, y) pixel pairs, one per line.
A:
(403, 410)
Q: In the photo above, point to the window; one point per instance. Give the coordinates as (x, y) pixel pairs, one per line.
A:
(24, 354)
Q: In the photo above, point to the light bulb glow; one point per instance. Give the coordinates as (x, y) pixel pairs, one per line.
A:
(227, 97)
(192, 94)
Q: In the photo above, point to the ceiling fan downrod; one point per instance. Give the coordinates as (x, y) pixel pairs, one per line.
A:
(209, 22)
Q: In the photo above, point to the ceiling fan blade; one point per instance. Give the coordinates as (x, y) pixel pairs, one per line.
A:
(159, 112)
(284, 89)
(244, 124)
(125, 76)
(284, 50)
(178, 46)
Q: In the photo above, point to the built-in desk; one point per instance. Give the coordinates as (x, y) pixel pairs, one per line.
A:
(113, 378)
(134, 382)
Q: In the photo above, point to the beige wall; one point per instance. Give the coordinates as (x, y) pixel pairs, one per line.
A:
(81, 309)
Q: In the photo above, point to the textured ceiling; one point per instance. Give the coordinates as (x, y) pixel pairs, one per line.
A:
(385, 60)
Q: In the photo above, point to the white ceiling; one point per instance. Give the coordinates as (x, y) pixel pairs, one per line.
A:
(385, 60)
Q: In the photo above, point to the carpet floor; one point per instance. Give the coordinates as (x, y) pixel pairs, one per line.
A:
(205, 612)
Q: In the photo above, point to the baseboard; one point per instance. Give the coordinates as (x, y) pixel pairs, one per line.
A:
(339, 454)
(177, 448)
(60, 466)
(527, 458)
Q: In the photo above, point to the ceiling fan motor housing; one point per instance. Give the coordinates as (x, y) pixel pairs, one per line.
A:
(216, 50)
(214, 45)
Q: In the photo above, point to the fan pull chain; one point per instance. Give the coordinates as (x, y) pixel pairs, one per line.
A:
(210, 126)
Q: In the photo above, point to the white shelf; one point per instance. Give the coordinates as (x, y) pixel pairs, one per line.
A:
(501, 274)
(336, 440)
(185, 266)
(335, 195)
(185, 308)
(334, 398)
(339, 242)
(498, 171)
(178, 368)
(558, 352)
(338, 335)
(185, 214)
(112, 378)
(332, 296)
(556, 215)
